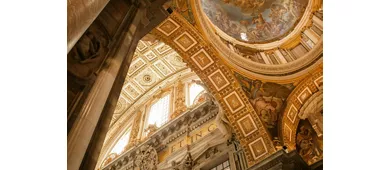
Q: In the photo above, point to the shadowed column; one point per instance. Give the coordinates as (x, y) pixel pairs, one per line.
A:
(81, 14)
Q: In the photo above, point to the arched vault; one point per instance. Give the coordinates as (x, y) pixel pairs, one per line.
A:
(205, 61)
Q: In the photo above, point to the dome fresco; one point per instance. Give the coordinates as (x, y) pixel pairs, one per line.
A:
(254, 21)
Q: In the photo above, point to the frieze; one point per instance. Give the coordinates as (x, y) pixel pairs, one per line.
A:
(168, 135)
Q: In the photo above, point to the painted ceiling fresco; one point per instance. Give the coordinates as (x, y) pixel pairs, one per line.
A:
(268, 100)
(254, 21)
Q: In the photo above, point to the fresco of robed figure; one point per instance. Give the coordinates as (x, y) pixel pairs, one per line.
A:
(268, 100)
(254, 21)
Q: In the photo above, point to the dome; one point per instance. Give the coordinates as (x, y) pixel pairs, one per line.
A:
(254, 21)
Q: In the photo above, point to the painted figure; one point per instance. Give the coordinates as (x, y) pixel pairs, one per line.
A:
(259, 20)
(308, 145)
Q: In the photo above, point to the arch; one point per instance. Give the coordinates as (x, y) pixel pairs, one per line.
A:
(205, 61)
(308, 87)
(312, 109)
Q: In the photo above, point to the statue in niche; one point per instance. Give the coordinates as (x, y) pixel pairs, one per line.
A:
(309, 146)
(89, 46)
(88, 54)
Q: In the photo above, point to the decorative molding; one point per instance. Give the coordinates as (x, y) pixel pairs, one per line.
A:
(185, 41)
(202, 59)
(287, 72)
(219, 80)
(292, 113)
(168, 27)
(234, 102)
(247, 125)
(231, 98)
(258, 148)
(298, 97)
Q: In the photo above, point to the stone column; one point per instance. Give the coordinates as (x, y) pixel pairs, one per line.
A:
(81, 14)
(83, 129)
(155, 15)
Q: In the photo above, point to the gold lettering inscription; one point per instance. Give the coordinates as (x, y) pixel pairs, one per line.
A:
(212, 127)
(188, 140)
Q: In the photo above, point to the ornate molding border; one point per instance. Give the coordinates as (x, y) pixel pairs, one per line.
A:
(117, 129)
(295, 102)
(289, 71)
(234, 86)
(306, 16)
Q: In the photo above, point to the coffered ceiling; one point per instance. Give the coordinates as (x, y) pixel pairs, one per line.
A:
(153, 64)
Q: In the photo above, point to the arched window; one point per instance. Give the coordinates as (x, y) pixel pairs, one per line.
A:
(121, 144)
(159, 111)
(194, 91)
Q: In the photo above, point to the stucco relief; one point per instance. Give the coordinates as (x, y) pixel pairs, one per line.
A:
(154, 63)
